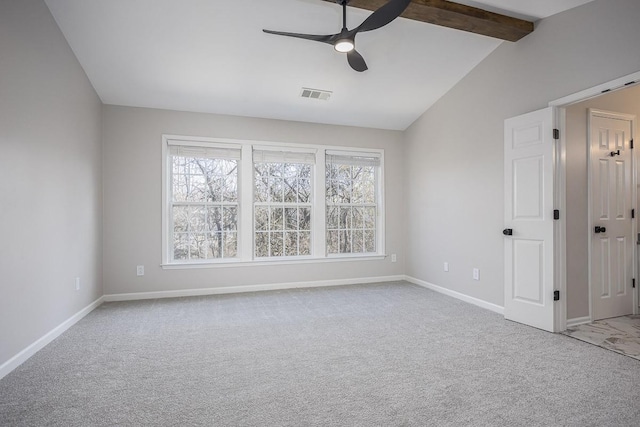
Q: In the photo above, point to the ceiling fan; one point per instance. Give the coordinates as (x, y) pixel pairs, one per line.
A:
(344, 41)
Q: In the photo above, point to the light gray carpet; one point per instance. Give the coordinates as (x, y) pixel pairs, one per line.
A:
(390, 354)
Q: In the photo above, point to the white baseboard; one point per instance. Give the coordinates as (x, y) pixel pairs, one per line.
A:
(247, 288)
(578, 321)
(466, 298)
(25, 354)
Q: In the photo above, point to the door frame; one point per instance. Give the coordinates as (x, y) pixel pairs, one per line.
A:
(560, 234)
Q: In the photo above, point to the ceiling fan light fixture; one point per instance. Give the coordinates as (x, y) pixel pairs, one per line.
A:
(344, 45)
(344, 41)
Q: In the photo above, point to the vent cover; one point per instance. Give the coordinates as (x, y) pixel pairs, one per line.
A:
(322, 95)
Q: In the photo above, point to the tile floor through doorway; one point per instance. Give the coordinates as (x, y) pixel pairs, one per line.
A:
(619, 334)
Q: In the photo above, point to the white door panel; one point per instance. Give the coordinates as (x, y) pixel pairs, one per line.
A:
(528, 282)
(612, 250)
(528, 187)
(529, 169)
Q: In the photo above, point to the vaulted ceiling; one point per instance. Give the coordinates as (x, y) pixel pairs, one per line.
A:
(212, 56)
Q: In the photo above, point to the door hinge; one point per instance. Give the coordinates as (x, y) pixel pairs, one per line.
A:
(633, 213)
(556, 214)
(556, 295)
(633, 283)
(631, 144)
(556, 134)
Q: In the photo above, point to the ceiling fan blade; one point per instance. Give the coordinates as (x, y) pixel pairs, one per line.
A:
(323, 39)
(356, 61)
(384, 15)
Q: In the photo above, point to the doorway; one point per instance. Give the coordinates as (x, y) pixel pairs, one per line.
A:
(554, 292)
(600, 266)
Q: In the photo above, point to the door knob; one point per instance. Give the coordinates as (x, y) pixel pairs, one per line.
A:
(614, 153)
(507, 232)
(600, 229)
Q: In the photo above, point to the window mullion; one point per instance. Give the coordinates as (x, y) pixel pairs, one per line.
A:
(380, 211)
(318, 222)
(246, 205)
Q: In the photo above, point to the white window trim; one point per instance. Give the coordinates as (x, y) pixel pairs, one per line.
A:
(273, 261)
(245, 202)
(380, 212)
(167, 223)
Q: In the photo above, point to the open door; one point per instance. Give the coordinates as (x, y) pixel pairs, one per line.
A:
(529, 217)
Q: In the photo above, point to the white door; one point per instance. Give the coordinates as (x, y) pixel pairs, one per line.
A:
(528, 202)
(612, 243)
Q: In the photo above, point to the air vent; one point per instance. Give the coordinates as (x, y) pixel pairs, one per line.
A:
(322, 95)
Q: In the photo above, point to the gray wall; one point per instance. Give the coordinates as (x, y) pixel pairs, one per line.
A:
(50, 178)
(623, 101)
(132, 198)
(454, 152)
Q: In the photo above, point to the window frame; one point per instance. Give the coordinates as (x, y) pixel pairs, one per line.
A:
(168, 203)
(281, 157)
(245, 226)
(378, 176)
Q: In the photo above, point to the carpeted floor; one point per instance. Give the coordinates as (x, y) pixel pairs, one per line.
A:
(390, 354)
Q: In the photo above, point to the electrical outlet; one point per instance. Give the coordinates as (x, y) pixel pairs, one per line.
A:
(446, 266)
(140, 270)
(394, 258)
(77, 283)
(476, 274)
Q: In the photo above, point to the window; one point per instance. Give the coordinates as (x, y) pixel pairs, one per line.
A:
(204, 203)
(282, 203)
(352, 203)
(248, 202)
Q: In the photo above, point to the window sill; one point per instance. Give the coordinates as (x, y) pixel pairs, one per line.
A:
(238, 263)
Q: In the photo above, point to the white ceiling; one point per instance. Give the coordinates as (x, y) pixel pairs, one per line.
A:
(212, 56)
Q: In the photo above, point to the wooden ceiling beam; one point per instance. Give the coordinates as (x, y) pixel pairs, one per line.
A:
(461, 17)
